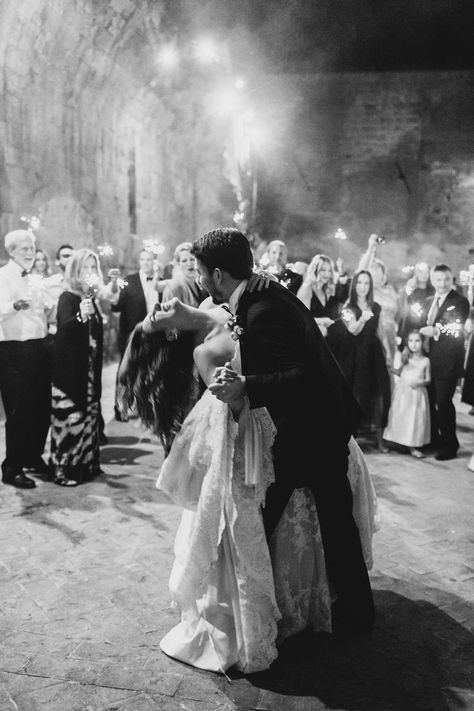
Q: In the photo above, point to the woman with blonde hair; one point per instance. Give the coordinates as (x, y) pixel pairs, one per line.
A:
(317, 291)
(183, 284)
(76, 372)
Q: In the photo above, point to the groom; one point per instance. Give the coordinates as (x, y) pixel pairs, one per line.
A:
(287, 368)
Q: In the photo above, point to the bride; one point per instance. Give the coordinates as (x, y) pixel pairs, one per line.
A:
(237, 594)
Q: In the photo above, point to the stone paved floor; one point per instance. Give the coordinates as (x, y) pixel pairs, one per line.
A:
(84, 599)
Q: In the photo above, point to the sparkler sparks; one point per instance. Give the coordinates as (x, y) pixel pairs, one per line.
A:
(417, 309)
(453, 329)
(347, 315)
(33, 222)
(105, 250)
(153, 245)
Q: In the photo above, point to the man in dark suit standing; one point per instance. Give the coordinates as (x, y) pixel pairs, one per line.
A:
(446, 313)
(136, 299)
(287, 367)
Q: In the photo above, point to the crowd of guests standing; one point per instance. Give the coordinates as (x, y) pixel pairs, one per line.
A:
(403, 353)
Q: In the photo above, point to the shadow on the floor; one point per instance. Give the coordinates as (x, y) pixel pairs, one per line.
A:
(121, 455)
(416, 657)
(126, 441)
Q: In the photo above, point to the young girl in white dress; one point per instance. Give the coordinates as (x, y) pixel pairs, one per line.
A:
(409, 416)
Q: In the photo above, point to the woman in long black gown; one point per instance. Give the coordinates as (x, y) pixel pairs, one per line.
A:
(76, 373)
(361, 355)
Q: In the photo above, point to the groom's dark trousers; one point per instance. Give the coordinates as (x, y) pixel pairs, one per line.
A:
(290, 370)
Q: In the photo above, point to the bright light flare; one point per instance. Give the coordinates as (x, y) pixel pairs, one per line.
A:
(206, 50)
(340, 234)
(168, 57)
(225, 101)
(240, 83)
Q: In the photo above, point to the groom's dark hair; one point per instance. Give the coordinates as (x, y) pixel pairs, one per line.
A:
(227, 249)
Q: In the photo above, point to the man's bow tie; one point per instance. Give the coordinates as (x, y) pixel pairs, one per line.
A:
(149, 278)
(25, 272)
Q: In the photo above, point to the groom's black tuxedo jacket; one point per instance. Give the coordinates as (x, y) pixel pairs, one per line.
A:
(290, 370)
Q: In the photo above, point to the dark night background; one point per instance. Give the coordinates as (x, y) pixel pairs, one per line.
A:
(344, 35)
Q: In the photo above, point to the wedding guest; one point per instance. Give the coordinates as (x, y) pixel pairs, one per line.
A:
(445, 314)
(409, 416)
(385, 295)
(76, 372)
(317, 292)
(361, 355)
(184, 285)
(41, 264)
(412, 298)
(467, 393)
(275, 259)
(55, 282)
(24, 382)
(137, 298)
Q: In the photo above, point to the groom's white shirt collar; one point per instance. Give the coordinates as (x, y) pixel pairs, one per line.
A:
(236, 294)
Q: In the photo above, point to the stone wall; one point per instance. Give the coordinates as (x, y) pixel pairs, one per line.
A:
(103, 149)
(389, 153)
(89, 139)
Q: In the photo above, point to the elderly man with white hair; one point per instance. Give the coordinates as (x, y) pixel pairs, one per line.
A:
(24, 371)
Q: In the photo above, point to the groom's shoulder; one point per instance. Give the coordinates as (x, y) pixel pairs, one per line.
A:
(275, 299)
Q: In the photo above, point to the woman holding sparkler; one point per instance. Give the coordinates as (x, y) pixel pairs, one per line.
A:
(385, 295)
(76, 372)
(361, 356)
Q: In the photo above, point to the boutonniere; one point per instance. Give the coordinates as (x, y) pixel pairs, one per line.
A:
(232, 325)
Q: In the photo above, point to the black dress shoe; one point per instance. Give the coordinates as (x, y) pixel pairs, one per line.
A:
(444, 456)
(18, 479)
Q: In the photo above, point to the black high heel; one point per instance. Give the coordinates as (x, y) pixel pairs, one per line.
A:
(61, 478)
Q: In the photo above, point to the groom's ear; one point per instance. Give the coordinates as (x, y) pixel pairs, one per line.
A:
(217, 274)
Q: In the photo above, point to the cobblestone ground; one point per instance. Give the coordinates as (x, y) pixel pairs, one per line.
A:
(84, 598)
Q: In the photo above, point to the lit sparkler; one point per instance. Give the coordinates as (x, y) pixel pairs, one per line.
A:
(417, 309)
(92, 286)
(347, 315)
(453, 329)
(408, 269)
(33, 222)
(341, 237)
(105, 250)
(121, 283)
(153, 245)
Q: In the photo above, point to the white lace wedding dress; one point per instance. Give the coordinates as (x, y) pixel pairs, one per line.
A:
(236, 594)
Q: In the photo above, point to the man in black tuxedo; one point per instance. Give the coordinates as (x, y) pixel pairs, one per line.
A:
(288, 368)
(445, 315)
(136, 299)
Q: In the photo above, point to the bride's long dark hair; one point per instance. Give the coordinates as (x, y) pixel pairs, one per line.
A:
(157, 377)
